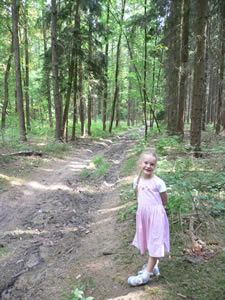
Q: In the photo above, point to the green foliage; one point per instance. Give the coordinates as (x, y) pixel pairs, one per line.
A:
(195, 188)
(127, 197)
(78, 294)
(85, 173)
(54, 146)
(194, 281)
(97, 131)
(129, 165)
(99, 166)
(166, 144)
(129, 211)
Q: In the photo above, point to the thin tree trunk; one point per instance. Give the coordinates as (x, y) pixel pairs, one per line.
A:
(82, 99)
(27, 79)
(173, 66)
(140, 85)
(198, 82)
(57, 98)
(19, 94)
(69, 88)
(129, 104)
(153, 89)
(204, 92)
(221, 72)
(105, 98)
(145, 75)
(118, 109)
(47, 75)
(184, 61)
(75, 99)
(117, 67)
(90, 104)
(75, 83)
(6, 89)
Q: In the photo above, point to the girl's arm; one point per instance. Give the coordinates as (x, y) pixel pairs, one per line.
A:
(164, 198)
(136, 184)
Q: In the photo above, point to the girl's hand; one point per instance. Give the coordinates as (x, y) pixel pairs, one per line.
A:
(135, 191)
(164, 198)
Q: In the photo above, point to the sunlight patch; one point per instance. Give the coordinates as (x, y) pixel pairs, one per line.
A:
(12, 180)
(38, 186)
(107, 210)
(77, 165)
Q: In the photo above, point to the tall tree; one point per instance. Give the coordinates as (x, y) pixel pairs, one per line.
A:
(105, 96)
(6, 88)
(116, 92)
(145, 71)
(198, 82)
(77, 42)
(57, 98)
(174, 43)
(16, 48)
(221, 70)
(184, 61)
(90, 29)
(27, 75)
(47, 71)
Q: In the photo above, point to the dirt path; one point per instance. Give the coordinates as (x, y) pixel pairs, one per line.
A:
(57, 229)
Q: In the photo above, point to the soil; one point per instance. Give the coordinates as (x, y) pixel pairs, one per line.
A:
(59, 230)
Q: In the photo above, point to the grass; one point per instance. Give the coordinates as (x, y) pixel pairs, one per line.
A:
(97, 168)
(78, 294)
(194, 281)
(129, 165)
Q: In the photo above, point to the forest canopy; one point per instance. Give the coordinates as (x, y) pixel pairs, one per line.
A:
(149, 62)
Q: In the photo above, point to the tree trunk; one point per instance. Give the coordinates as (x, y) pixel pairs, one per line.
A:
(173, 65)
(198, 82)
(184, 61)
(205, 81)
(129, 104)
(75, 99)
(145, 74)
(140, 85)
(57, 98)
(19, 94)
(221, 70)
(105, 97)
(117, 67)
(27, 79)
(47, 75)
(82, 99)
(77, 49)
(6, 89)
(90, 76)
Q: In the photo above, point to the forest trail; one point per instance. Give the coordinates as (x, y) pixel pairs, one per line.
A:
(57, 229)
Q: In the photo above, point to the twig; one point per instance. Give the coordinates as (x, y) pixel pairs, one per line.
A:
(183, 296)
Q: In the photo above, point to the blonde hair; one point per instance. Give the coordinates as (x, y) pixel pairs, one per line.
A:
(148, 152)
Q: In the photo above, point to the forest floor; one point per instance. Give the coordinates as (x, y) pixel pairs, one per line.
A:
(60, 228)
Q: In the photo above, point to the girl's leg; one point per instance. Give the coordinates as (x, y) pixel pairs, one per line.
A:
(151, 263)
(145, 274)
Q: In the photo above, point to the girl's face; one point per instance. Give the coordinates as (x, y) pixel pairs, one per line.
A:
(147, 164)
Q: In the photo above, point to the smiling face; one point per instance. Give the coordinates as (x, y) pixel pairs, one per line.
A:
(147, 164)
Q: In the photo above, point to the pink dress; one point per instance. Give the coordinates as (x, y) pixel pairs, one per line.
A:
(152, 227)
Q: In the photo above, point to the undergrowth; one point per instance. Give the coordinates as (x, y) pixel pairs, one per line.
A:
(97, 168)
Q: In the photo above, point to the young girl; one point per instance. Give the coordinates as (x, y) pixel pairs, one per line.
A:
(152, 227)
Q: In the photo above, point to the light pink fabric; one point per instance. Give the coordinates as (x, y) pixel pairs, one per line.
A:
(152, 227)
